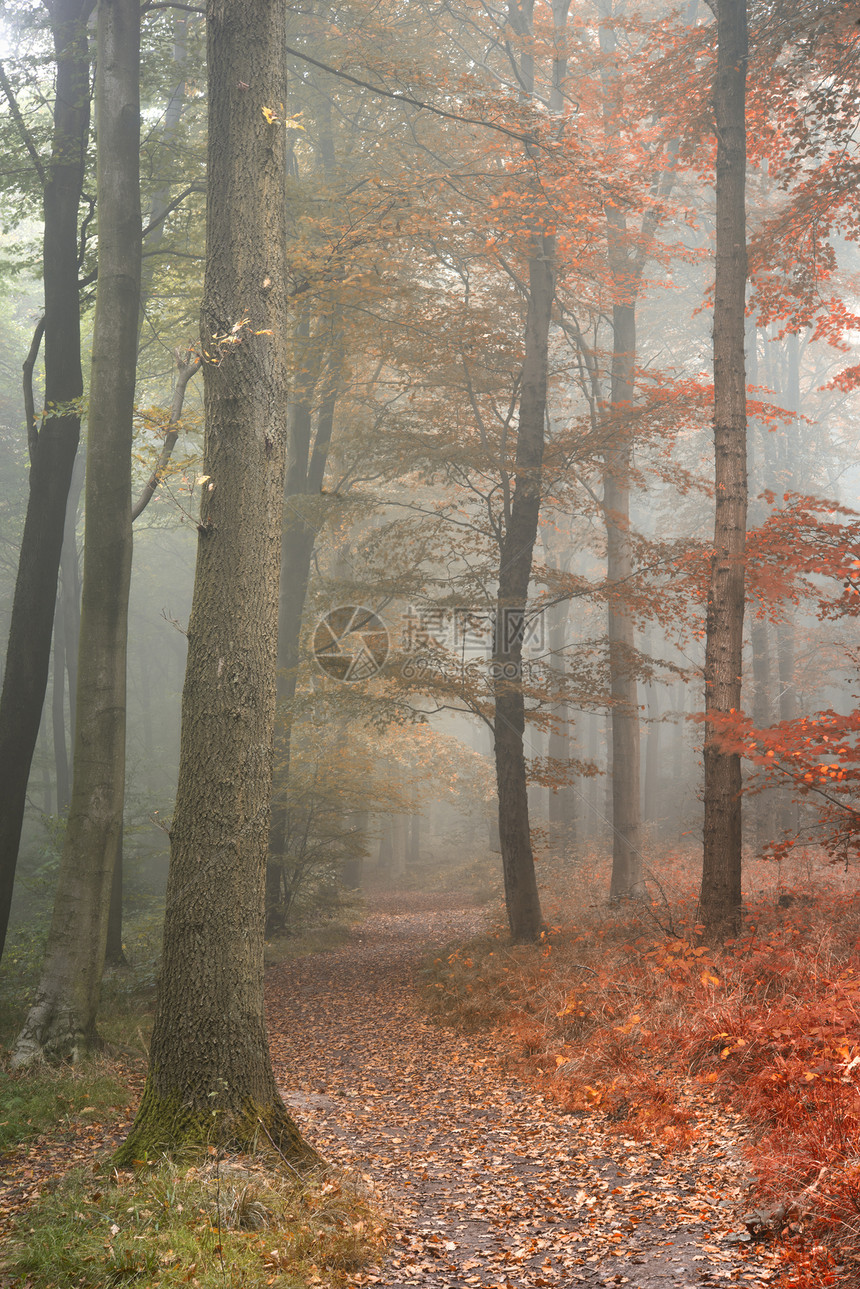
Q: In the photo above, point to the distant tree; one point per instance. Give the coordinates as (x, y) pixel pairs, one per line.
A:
(210, 1075)
(61, 1022)
(53, 444)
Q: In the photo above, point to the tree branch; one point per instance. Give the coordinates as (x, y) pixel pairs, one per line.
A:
(187, 364)
(409, 100)
(29, 403)
(170, 207)
(186, 8)
(25, 134)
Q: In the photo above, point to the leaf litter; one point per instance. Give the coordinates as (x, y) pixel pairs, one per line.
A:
(490, 1184)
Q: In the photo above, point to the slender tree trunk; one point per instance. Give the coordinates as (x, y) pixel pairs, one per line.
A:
(626, 263)
(210, 1075)
(561, 809)
(624, 714)
(306, 463)
(651, 804)
(413, 858)
(53, 448)
(386, 846)
(721, 869)
(515, 565)
(61, 1023)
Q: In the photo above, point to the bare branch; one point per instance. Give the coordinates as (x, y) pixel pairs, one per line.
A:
(409, 100)
(29, 403)
(170, 207)
(187, 364)
(25, 134)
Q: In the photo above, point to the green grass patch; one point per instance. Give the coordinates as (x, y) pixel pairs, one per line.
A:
(215, 1223)
(35, 1101)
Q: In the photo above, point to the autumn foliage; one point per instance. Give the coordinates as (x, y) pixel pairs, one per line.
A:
(629, 1017)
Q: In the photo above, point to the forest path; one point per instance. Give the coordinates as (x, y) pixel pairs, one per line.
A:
(489, 1185)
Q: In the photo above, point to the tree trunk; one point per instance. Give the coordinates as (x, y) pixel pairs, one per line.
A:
(413, 857)
(53, 449)
(306, 463)
(61, 1023)
(70, 586)
(626, 879)
(721, 868)
(515, 565)
(651, 804)
(67, 627)
(561, 807)
(386, 846)
(210, 1076)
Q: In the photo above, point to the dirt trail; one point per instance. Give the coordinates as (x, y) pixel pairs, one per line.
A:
(490, 1186)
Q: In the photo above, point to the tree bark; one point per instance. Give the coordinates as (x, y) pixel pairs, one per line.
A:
(58, 711)
(61, 1023)
(210, 1075)
(25, 676)
(720, 906)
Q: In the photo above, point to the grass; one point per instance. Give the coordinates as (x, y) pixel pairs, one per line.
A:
(224, 1221)
(625, 1014)
(31, 1104)
(213, 1222)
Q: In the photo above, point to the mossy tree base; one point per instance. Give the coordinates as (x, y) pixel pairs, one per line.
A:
(167, 1124)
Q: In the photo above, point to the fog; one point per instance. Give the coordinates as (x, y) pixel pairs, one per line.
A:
(411, 245)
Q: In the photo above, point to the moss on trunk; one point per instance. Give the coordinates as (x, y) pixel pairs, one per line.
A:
(170, 1124)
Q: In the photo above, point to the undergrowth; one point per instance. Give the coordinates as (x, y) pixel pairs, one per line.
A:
(223, 1222)
(626, 1014)
(32, 1102)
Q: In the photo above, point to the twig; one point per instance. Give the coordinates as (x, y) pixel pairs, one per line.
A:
(187, 365)
(276, 1147)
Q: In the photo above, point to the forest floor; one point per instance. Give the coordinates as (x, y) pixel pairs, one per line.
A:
(489, 1182)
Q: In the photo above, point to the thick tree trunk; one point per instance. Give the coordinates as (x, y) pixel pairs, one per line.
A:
(25, 677)
(61, 1023)
(58, 712)
(210, 1076)
(721, 869)
(70, 586)
(515, 565)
